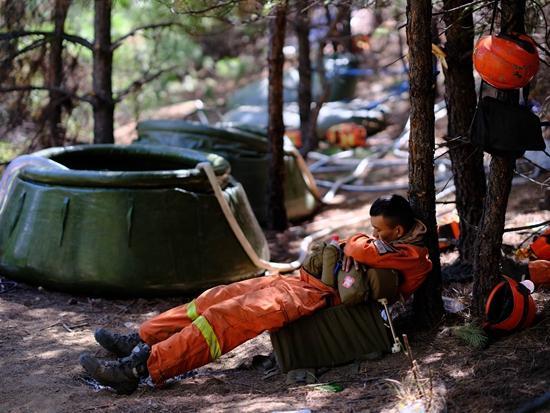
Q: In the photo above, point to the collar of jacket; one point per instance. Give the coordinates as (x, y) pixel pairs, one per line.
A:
(415, 236)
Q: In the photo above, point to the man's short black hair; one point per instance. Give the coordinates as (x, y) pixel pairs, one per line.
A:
(396, 209)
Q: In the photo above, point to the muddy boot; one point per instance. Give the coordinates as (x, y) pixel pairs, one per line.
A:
(513, 269)
(119, 344)
(122, 375)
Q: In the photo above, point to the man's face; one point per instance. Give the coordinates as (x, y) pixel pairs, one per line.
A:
(384, 230)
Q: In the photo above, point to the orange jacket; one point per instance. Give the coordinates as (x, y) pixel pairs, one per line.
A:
(410, 260)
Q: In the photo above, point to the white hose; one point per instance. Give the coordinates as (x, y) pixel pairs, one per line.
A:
(241, 237)
(235, 227)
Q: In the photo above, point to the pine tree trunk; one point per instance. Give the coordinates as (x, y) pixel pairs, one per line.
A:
(345, 31)
(12, 14)
(428, 305)
(56, 135)
(11, 11)
(487, 261)
(277, 219)
(104, 106)
(467, 160)
(307, 128)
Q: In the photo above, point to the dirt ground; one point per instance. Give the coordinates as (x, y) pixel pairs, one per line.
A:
(43, 332)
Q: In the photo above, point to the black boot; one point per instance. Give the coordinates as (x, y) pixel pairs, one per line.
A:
(119, 344)
(122, 375)
(513, 269)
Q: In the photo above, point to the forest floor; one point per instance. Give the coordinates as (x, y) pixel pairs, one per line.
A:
(43, 332)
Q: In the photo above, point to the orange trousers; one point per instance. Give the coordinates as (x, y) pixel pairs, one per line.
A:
(539, 272)
(220, 319)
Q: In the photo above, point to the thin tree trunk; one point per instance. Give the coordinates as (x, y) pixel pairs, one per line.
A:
(104, 106)
(345, 31)
(487, 261)
(428, 304)
(11, 10)
(301, 27)
(277, 218)
(56, 137)
(467, 160)
(12, 14)
(320, 63)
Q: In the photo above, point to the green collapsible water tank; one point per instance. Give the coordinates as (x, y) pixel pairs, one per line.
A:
(339, 73)
(247, 152)
(125, 220)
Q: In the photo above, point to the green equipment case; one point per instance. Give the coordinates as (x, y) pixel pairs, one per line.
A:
(331, 337)
(340, 334)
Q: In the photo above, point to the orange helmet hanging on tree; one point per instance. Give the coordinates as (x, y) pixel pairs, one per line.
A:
(506, 61)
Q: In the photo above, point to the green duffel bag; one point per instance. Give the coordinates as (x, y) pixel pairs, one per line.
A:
(322, 261)
(383, 283)
(355, 286)
(352, 285)
(361, 284)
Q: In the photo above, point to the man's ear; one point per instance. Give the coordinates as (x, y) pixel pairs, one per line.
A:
(400, 230)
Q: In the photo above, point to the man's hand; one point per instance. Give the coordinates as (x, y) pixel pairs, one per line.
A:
(348, 263)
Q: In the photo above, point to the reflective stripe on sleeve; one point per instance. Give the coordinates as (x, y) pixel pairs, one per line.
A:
(192, 310)
(208, 333)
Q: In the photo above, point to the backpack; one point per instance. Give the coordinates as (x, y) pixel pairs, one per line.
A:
(504, 129)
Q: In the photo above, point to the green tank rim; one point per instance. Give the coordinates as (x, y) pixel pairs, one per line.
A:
(229, 133)
(185, 175)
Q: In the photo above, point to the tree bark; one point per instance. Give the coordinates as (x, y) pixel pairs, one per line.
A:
(467, 160)
(12, 14)
(345, 29)
(277, 218)
(11, 10)
(487, 261)
(104, 106)
(428, 304)
(301, 27)
(55, 135)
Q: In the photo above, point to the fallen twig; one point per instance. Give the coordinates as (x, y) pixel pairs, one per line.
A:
(414, 366)
(51, 325)
(66, 327)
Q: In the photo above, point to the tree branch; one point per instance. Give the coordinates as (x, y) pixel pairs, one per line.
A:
(138, 84)
(219, 5)
(31, 46)
(473, 3)
(118, 42)
(69, 37)
(84, 98)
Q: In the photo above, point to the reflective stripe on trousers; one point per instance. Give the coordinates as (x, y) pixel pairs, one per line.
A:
(209, 336)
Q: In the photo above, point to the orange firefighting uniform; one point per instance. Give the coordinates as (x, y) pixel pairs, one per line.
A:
(196, 333)
(406, 255)
(220, 319)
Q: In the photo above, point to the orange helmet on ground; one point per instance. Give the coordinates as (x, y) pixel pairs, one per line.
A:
(506, 61)
(510, 306)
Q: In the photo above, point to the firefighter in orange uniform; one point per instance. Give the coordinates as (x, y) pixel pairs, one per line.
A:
(220, 319)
